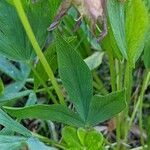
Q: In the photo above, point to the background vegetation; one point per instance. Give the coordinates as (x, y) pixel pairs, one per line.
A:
(63, 89)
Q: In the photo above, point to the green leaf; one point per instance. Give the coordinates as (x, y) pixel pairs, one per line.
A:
(147, 51)
(8, 122)
(1, 87)
(18, 143)
(79, 139)
(6, 131)
(136, 28)
(112, 47)
(25, 70)
(70, 138)
(9, 69)
(58, 113)
(54, 5)
(11, 92)
(75, 75)
(94, 60)
(18, 47)
(12, 71)
(93, 140)
(116, 19)
(51, 57)
(12, 46)
(35, 144)
(31, 100)
(14, 87)
(147, 55)
(105, 107)
(81, 135)
(11, 142)
(6, 97)
(38, 14)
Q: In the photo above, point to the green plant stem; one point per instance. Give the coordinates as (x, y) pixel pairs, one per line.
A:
(53, 130)
(128, 82)
(144, 87)
(37, 48)
(128, 85)
(43, 89)
(47, 140)
(44, 85)
(116, 76)
(122, 121)
(112, 70)
(100, 83)
(119, 87)
(139, 148)
(119, 71)
(139, 103)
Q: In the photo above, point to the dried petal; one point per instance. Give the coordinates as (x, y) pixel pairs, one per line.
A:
(93, 10)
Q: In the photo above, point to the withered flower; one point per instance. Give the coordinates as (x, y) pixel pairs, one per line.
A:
(93, 10)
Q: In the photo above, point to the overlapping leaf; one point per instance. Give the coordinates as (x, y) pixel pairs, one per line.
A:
(6, 97)
(18, 142)
(75, 75)
(81, 139)
(94, 60)
(136, 28)
(117, 23)
(51, 56)
(1, 87)
(34, 144)
(14, 43)
(105, 107)
(147, 56)
(8, 122)
(147, 51)
(58, 113)
(12, 142)
(12, 71)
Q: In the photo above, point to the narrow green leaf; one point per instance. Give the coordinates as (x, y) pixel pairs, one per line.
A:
(18, 143)
(105, 107)
(11, 142)
(25, 70)
(6, 131)
(75, 75)
(6, 97)
(31, 100)
(116, 19)
(35, 144)
(8, 122)
(10, 69)
(147, 56)
(58, 113)
(51, 57)
(147, 51)
(94, 60)
(136, 28)
(1, 87)
(14, 87)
